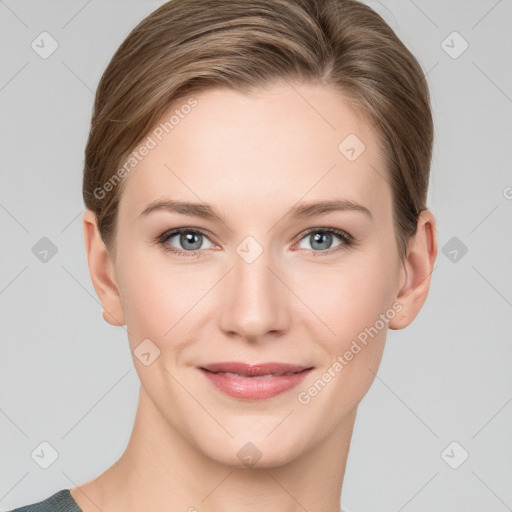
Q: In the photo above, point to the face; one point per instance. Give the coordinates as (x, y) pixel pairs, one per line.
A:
(257, 274)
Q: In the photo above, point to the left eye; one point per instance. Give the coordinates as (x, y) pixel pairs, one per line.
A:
(321, 239)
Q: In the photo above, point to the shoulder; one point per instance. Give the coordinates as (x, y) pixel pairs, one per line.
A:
(61, 501)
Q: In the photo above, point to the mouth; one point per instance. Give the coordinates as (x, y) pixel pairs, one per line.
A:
(254, 381)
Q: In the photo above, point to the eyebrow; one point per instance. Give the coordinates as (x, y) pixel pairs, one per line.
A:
(300, 211)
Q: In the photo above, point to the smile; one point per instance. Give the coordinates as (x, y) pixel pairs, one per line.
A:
(254, 382)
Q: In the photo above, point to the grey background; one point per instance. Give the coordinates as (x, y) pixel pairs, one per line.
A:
(67, 377)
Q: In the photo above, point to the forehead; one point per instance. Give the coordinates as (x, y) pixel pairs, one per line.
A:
(261, 152)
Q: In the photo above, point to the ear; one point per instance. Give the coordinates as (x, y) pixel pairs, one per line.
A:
(102, 271)
(417, 271)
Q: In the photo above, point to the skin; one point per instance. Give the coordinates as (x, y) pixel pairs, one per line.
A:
(252, 157)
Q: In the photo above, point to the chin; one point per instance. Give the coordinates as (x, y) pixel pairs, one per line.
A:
(256, 452)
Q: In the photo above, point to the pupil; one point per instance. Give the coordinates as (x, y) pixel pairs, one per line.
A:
(189, 238)
(317, 239)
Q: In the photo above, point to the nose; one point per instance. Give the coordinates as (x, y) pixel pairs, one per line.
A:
(255, 300)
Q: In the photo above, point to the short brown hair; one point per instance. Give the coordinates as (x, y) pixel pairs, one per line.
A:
(186, 46)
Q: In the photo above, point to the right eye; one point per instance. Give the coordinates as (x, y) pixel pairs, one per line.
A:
(189, 239)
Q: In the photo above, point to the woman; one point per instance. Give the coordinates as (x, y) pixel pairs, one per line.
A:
(255, 180)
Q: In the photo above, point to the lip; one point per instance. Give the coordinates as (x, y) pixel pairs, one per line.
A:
(254, 381)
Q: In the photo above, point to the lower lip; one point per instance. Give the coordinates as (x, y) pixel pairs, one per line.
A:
(255, 388)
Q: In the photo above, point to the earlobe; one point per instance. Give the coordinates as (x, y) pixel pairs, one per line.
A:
(417, 268)
(102, 271)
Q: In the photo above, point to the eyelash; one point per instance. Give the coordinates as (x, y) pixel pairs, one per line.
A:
(347, 239)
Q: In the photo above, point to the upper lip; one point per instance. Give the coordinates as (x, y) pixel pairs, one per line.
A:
(254, 370)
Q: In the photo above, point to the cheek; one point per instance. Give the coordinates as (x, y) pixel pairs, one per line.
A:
(355, 303)
(161, 301)
(349, 298)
